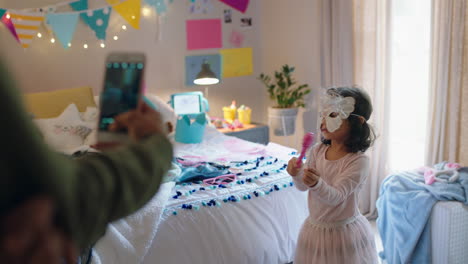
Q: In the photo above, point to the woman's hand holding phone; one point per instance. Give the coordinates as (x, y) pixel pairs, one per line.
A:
(139, 124)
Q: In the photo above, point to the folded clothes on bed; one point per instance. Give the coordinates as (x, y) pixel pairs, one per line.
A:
(199, 171)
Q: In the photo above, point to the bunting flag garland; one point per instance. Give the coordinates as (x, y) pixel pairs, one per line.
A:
(130, 10)
(7, 22)
(2, 12)
(26, 25)
(64, 26)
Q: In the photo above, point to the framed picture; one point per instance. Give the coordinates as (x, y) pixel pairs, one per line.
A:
(246, 22)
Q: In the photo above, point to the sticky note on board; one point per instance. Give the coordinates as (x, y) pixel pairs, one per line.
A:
(237, 62)
(204, 34)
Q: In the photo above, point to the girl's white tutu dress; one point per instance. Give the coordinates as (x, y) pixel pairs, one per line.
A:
(335, 231)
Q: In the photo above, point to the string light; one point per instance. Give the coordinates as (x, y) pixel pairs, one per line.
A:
(146, 11)
(8, 16)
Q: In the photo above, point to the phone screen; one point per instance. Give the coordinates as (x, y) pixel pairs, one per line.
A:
(186, 104)
(122, 85)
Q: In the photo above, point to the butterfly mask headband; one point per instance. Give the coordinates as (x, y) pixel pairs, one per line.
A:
(335, 109)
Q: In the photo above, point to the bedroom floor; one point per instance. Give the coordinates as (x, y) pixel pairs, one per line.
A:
(378, 241)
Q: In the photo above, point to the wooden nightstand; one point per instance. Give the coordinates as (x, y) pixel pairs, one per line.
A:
(257, 133)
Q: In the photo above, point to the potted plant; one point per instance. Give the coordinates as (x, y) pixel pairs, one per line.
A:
(288, 98)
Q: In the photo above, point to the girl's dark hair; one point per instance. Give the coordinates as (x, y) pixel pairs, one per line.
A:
(361, 135)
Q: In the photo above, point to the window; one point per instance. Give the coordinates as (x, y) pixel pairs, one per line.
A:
(409, 82)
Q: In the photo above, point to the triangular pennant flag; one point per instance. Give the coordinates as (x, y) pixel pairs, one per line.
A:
(160, 5)
(113, 2)
(64, 26)
(130, 10)
(26, 25)
(240, 5)
(98, 21)
(80, 5)
(7, 22)
(2, 12)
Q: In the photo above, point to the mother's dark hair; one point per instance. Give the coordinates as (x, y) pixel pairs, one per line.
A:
(361, 134)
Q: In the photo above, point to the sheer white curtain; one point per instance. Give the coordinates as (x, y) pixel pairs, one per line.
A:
(371, 21)
(336, 47)
(355, 37)
(448, 21)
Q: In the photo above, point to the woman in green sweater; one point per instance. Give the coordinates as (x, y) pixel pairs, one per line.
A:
(74, 199)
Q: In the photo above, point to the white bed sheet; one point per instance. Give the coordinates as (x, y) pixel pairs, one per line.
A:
(259, 230)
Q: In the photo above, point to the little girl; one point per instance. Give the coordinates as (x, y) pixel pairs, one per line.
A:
(334, 172)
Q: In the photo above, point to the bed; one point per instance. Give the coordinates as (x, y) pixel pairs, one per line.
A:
(255, 219)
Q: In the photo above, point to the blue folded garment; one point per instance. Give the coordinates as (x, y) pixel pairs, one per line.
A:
(404, 207)
(200, 172)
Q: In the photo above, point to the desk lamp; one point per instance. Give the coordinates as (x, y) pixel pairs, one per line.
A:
(206, 77)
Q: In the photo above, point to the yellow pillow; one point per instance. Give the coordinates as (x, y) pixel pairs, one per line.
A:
(51, 104)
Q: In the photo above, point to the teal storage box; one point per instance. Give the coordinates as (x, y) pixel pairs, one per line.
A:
(190, 128)
(190, 108)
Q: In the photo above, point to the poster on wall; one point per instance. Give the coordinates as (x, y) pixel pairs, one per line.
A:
(246, 22)
(228, 16)
(193, 66)
(236, 39)
(204, 34)
(237, 62)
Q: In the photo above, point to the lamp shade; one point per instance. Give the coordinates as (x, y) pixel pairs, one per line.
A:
(206, 76)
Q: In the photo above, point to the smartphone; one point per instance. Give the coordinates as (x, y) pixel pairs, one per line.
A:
(122, 90)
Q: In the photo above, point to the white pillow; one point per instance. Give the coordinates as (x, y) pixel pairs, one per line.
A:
(66, 131)
(90, 117)
(167, 113)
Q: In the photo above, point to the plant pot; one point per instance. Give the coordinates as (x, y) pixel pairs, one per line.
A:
(282, 120)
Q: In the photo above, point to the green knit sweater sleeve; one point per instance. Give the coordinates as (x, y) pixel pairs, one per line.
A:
(89, 192)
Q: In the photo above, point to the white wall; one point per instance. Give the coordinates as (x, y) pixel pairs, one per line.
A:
(290, 35)
(282, 32)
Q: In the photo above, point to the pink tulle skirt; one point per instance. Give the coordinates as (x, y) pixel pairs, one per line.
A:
(350, 241)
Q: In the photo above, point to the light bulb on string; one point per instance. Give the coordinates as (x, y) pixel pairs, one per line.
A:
(85, 46)
(69, 44)
(103, 45)
(116, 38)
(8, 16)
(146, 11)
(39, 35)
(52, 40)
(124, 27)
